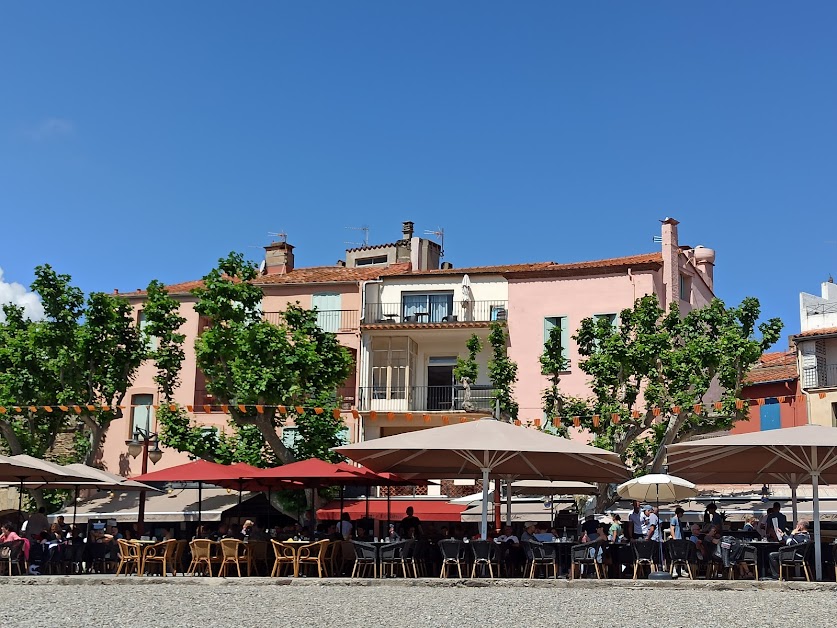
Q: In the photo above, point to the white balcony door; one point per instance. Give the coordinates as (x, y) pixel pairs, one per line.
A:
(328, 310)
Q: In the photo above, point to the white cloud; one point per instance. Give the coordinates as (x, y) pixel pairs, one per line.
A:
(51, 128)
(18, 294)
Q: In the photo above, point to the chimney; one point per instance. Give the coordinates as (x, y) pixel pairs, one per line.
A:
(671, 262)
(705, 262)
(407, 230)
(279, 258)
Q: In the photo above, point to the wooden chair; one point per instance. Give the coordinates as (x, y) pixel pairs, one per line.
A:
(201, 556)
(179, 553)
(256, 552)
(284, 557)
(161, 554)
(231, 554)
(314, 554)
(129, 557)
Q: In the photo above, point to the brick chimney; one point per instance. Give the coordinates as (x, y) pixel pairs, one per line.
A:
(279, 258)
(671, 262)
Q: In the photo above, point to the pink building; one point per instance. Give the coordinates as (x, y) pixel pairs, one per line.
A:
(561, 295)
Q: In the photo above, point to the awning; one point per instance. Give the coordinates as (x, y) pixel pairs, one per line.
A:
(180, 505)
(424, 509)
(521, 511)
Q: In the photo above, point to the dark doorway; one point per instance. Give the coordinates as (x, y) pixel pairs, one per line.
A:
(439, 387)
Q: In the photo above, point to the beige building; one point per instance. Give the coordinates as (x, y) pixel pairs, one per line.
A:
(816, 347)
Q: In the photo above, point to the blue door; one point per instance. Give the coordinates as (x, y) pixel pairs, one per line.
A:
(769, 416)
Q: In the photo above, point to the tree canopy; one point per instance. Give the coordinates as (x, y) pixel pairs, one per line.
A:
(661, 374)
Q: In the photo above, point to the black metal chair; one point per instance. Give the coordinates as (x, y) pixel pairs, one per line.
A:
(541, 556)
(682, 552)
(646, 554)
(11, 553)
(392, 557)
(747, 555)
(485, 555)
(452, 555)
(365, 557)
(585, 554)
(795, 556)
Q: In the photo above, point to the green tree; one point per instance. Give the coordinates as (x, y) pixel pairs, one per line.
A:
(555, 402)
(674, 364)
(502, 371)
(251, 362)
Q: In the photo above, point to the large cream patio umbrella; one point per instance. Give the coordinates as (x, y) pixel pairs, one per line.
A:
(486, 448)
(797, 454)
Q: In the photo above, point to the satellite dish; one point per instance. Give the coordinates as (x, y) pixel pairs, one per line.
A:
(262, 267)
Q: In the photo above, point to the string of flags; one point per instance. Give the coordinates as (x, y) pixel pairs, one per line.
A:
(373, 415)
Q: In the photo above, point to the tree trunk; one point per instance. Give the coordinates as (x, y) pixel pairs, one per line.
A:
(675, 422)
(268, 430)
(97, 440)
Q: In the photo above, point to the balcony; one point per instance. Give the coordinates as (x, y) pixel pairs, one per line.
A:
(424, 399)
(334, 321)
(444, 312)
(820, 377)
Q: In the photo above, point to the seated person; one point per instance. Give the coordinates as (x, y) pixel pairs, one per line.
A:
(8, 534)
(799, 536)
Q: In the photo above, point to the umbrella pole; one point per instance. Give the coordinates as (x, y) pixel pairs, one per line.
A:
(20, 506)
(340, 523)
(815, 481)
(794, 506)
(269, 508)
(497, 505)
(75, 505)
(240, 486)
(484, 519)
(200, 506)
(508, 502)
(389, 510)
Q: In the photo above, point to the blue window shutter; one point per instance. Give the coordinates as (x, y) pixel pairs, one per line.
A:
(770, 415)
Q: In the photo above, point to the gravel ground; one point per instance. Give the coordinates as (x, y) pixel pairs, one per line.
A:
(248, 606)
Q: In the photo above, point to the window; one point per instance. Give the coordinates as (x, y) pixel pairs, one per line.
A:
(152, 343)
(290, 436)
(611, 318)
(426, 307)
(834, 414)
(142, 412)
(393, 367)
(562, 323)
(685, 288)
(327, 305)
(369, 261)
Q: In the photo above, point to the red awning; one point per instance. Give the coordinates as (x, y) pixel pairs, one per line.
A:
(424, 509)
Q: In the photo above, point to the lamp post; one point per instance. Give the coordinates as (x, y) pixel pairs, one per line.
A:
(147, 443)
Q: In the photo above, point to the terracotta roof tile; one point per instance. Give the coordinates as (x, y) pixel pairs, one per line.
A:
(773, 367)
(813, 333)
(549, 268)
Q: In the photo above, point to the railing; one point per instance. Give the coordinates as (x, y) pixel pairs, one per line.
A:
(425, 399)
(455, 312)
(345, 399)
(820, 377)
(335, 321)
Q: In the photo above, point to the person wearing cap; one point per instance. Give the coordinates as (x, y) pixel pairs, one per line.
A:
(651, 523)
(528, 532)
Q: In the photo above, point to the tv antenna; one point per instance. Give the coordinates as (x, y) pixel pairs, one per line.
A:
(365, 229)
(439, 233)
(283, 237)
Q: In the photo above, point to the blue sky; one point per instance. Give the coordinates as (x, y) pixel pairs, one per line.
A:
(145, 140)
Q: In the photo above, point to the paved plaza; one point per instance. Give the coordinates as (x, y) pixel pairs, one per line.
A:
(222, 603)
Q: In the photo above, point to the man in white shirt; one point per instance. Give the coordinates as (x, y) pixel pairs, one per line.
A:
(634, 527)
(652, 524)
(508, 536)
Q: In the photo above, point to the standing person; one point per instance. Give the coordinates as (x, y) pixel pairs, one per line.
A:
(411, 522)
(345, 527)
(37, 523)
(615, 532)
(64, 527)
(652, 524)
(675, 528)
(634, 528)
(777, 524)
(711, 516)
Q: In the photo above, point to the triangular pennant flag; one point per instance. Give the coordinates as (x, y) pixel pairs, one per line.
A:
(18, 409)
(207, 409)
(656, 411)
(77, 409)
(299, 409)
(2, 410)
(556, 421)
(225, 408)
(355, 413)
(822, 395)
(156, 407)
(63, 408)
(719, 405)
(373, 415)
(739, 404)
(33, 408)
(463, 419)
(445, 420)
(537, 422)
(172, 407)
(595, 420)
(760, 401)
(259, 408)
(335, 413)
(675, 409)
(782, 399)
(48, 408)
(614, 418)
(577, 421)
(635, 414)
(697, 408)
(192, 408)
(318, 410)
(517, 422)
(390, 416)
(426, 418)
(409, 416)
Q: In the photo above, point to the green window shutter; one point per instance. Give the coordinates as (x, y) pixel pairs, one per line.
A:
(561, 322)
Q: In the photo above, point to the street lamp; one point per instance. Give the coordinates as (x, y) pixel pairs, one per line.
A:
(147, 443)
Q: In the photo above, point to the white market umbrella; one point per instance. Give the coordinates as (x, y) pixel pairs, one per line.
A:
(794, 455)
(657, 487)
(486, 448)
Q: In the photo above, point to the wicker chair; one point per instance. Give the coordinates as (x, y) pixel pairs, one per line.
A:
(585, 554)
(485, 555)
(161, 554)
(365, 557)
(284, 557)
(314, 554)
(682, 552)
(231, 554)
(256, 552)
(645, 555)
(129, 557)
(539, 555)
(794, 556)
(451, 550)
(177, 563)
(11, 553)
(201, 556)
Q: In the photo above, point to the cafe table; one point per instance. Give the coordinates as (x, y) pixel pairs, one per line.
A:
(763, 550)
(295, 546)
(562, 554)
